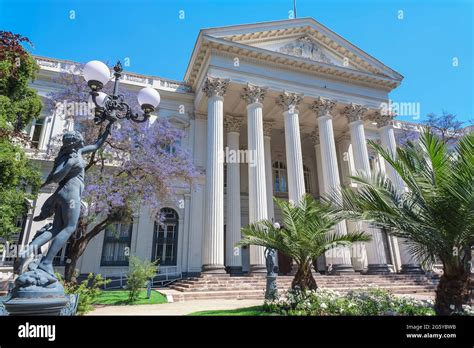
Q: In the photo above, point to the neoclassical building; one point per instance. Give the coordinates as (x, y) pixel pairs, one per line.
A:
(281, 109)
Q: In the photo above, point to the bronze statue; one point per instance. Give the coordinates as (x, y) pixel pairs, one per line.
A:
(65, 204)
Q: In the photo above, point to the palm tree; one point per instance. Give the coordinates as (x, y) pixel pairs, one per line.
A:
(307, 234)
(434, 213)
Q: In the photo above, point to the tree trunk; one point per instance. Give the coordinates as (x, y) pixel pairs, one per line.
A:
(75, 252)
(79, 245)
(452, 292)
(304, 278)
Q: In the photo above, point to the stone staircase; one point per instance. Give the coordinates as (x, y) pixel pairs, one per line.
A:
(253, 287)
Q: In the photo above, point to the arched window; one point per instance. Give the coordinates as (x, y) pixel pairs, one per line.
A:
(280, 182)
(117, 240)
(165, 238)
(307, 182)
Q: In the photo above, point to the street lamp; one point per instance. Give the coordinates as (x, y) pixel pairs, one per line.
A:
(113, 107)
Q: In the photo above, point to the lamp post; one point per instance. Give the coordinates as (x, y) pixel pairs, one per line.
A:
(113, 107)
(271, 291)
(36, 289)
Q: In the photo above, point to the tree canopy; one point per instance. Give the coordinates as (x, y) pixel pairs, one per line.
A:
(19, 105)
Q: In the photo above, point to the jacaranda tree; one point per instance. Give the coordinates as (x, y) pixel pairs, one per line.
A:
(138, 166)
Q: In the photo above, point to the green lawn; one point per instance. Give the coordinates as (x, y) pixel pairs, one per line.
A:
(247, 311)
(120, 297)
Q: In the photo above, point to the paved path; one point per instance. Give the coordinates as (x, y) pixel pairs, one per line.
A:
(175, 308)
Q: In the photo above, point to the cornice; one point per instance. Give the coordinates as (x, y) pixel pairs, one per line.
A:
(303, 64)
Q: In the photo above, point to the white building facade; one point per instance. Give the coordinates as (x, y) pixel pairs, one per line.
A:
(296, 103)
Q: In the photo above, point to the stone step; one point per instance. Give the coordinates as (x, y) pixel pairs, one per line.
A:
(328, 278)
(414, 288)
(186, 283)
(325, 277)
(259, 294)
(263, 280)
(253, 286)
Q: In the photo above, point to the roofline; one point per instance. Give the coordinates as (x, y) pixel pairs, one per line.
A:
(366, 55)
(126, 72)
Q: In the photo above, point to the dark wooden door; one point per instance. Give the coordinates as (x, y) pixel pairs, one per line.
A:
(284, 263)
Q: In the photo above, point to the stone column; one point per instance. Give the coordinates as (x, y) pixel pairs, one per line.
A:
(213, 239)
(294, 156)
(377, 260)
(340, 258)
(317, 153)
(387, 139)
(233, 224)
(267, 134)
(321, 262)
(257, 184)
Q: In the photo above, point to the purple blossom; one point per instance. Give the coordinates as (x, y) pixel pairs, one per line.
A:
(139, 164)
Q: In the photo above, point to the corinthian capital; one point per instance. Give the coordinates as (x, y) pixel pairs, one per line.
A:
(289, 101)
(254, 94)
(214, 86)
(323, 106)
(233, 124)
(354, 112)
(267, 128)
(382, 119)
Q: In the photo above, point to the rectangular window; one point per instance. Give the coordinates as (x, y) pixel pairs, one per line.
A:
(166, 243)
(61, 257)
(117, 240)
(38, 128)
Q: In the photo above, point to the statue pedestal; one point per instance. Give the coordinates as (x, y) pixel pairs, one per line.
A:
(36, 306)
(35, 295)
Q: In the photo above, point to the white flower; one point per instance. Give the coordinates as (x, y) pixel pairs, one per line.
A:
(323, 305)
(452, 307)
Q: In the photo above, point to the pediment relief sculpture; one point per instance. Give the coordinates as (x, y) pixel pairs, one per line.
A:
(306, 47)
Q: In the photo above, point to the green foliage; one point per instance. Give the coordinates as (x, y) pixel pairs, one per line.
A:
(254, 311)
(19, 105)
(307, 230)
(19, 180)
(88, 291)
(138, 274)
(307, 233)
(435, 215)
(355, 302)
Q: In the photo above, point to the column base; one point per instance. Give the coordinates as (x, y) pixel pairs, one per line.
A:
(258, 269)
(412, 268)
(378, 268)
(213, 269)
(342, 268)
(234, 270)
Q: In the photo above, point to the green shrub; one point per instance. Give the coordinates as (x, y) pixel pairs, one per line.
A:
(139, 273)
(355, 302)
(88, 290)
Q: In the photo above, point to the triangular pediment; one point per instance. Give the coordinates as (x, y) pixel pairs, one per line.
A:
(304, 39)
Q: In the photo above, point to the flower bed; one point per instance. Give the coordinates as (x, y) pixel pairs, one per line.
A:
(355, 302)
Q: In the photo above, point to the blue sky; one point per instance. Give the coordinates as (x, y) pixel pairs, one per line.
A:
(422, 46)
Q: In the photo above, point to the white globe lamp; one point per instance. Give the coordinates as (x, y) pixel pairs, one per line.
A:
(97, 74)
(149, 99)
